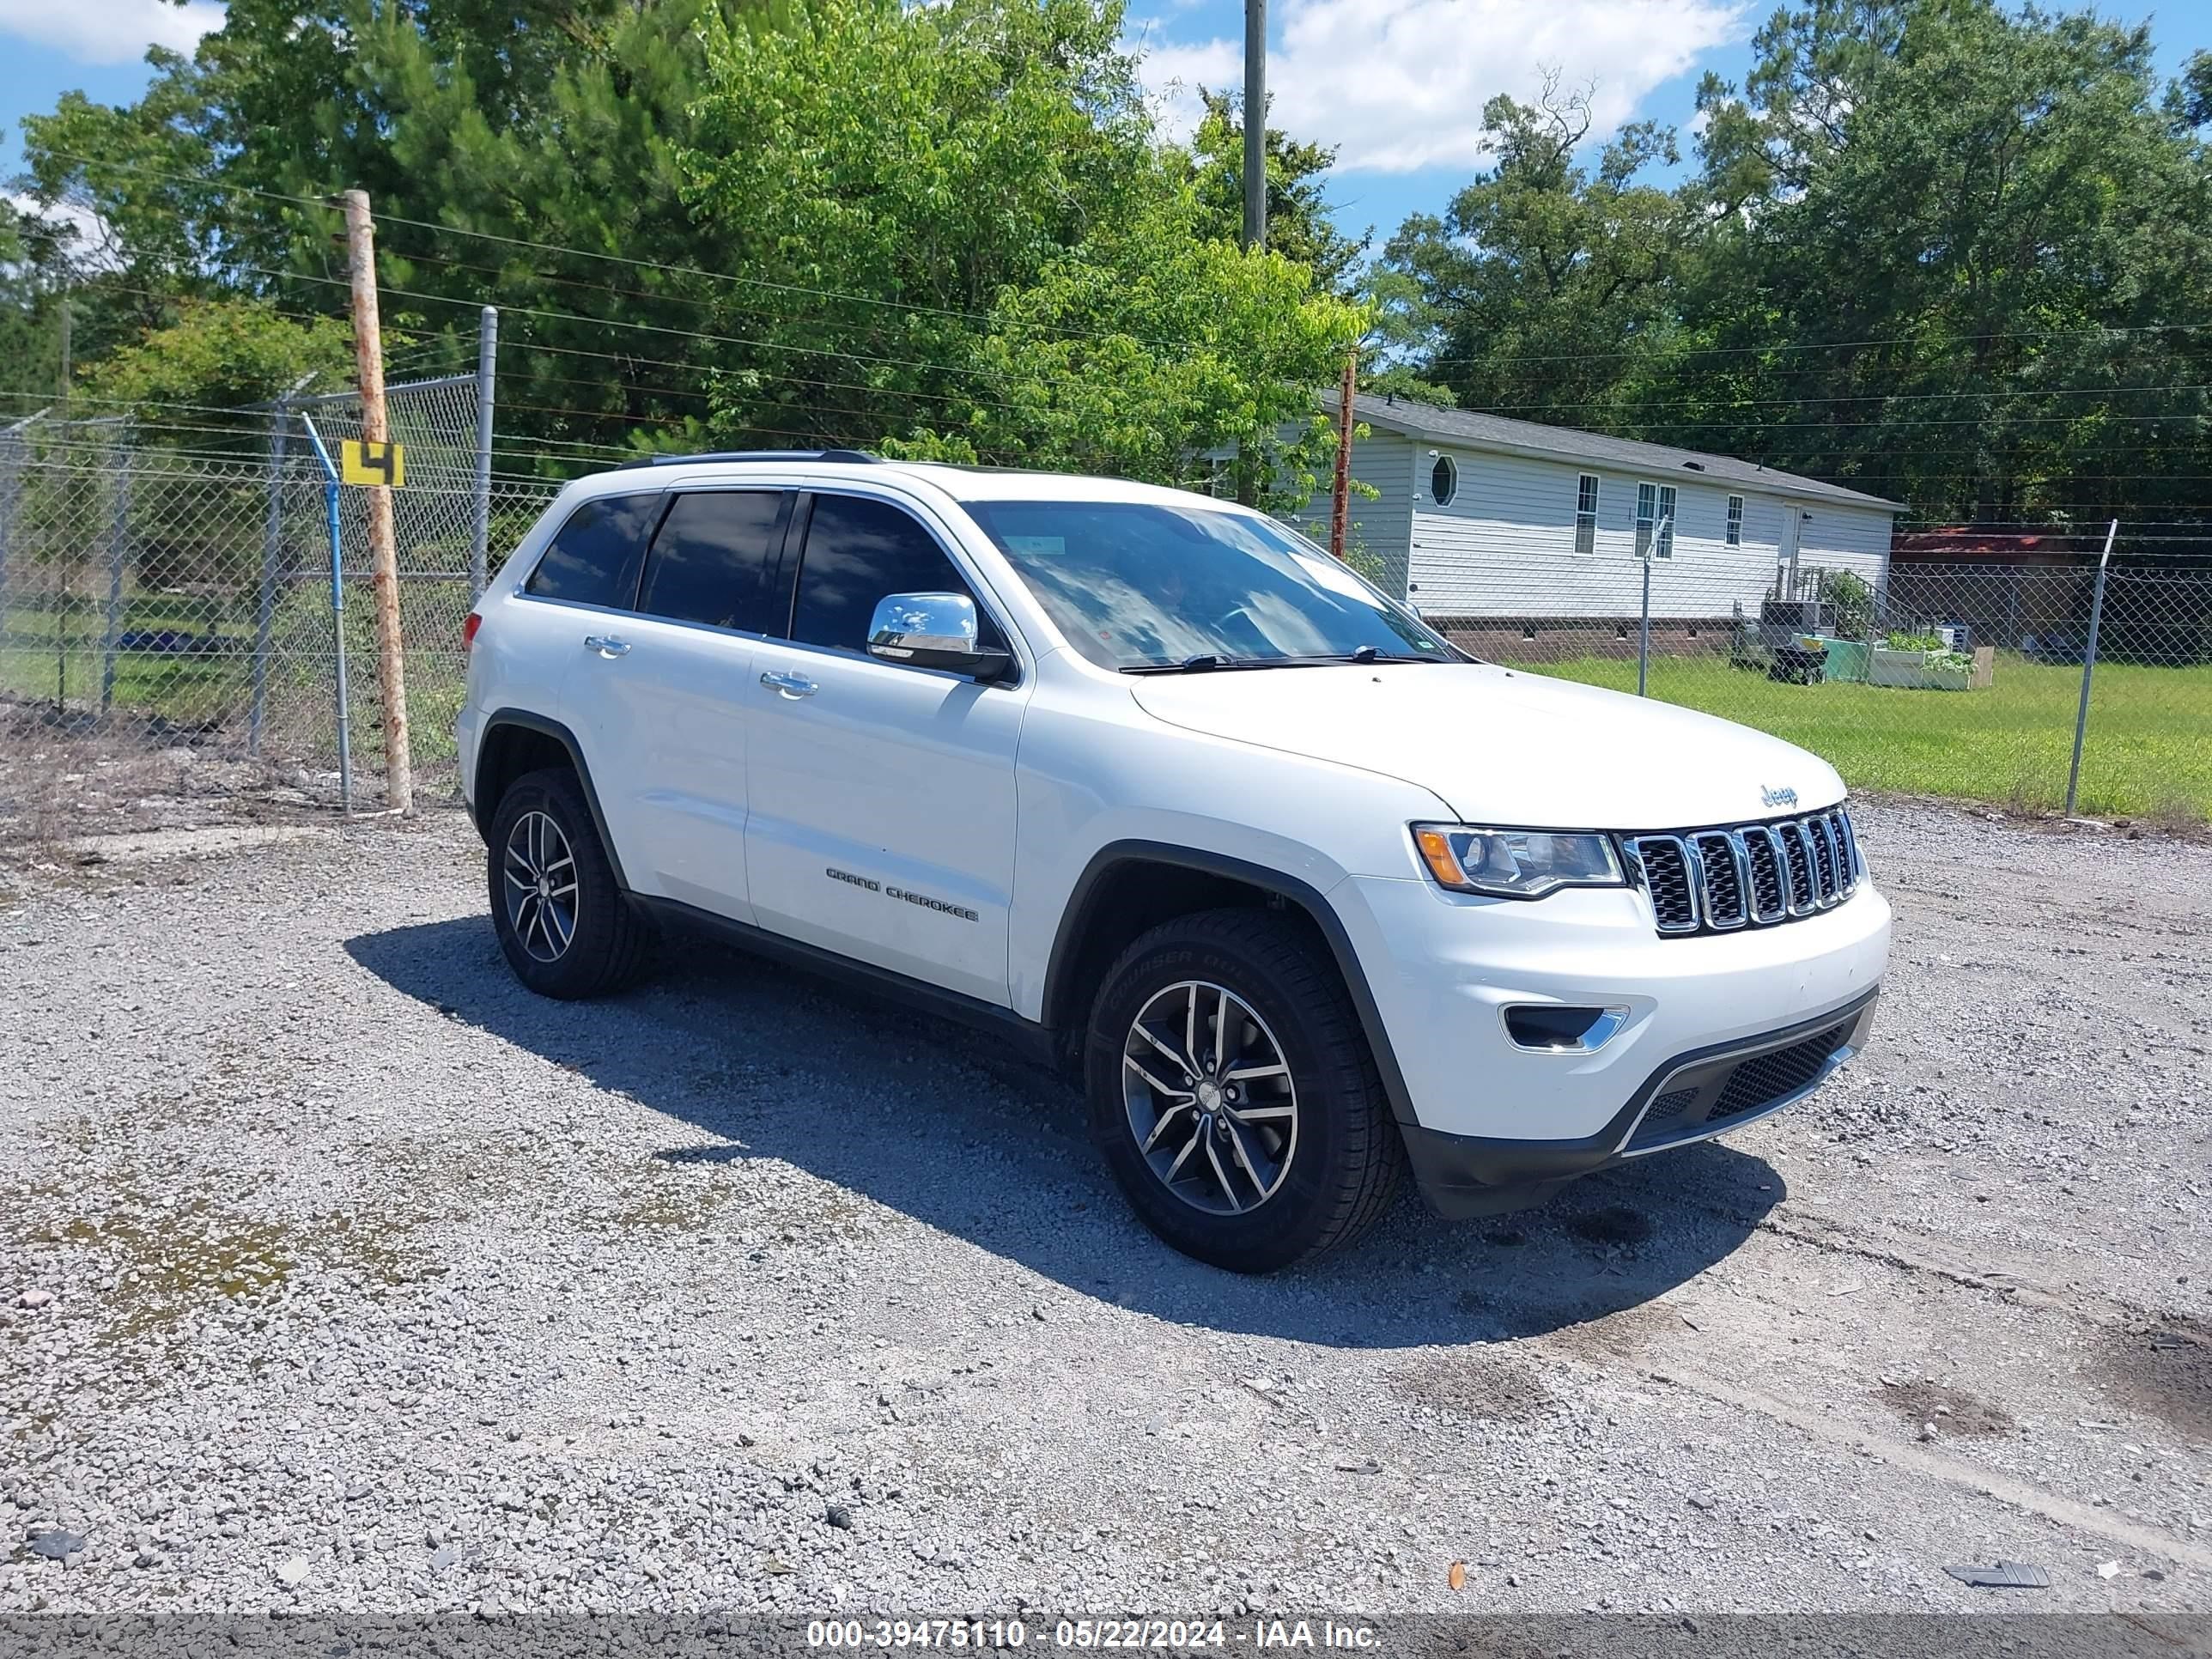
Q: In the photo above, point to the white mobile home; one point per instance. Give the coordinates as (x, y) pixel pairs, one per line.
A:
(1499, 523)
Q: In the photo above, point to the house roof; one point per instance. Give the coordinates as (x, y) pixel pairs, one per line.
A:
(1494, 432)
(1966, 543)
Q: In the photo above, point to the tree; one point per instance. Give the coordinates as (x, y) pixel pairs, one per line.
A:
(1980, 228)
(1016, 272)
(1299, 227)
(545, 122)
(1545, 287)
(219, 355)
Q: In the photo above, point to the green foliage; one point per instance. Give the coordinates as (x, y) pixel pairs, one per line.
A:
(222, 354)
(1543, 281)
(1064, 298)
(1901, 640)
(1298, 224)
(1853, 601)
(1946, 251)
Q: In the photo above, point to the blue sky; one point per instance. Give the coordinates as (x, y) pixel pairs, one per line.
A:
(1398, 85)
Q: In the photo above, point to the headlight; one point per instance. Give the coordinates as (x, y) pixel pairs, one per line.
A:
(1521, 864)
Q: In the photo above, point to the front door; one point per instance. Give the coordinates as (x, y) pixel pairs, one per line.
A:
(880, 821)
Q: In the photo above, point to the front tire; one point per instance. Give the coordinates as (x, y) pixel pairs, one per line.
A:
(567, 927)
(1233, 1096)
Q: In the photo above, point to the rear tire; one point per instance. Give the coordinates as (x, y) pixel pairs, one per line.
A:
(566, 926)
(1254, 1152)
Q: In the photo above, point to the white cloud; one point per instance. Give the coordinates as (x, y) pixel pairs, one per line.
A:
(88, 243)
(1400, 84)
(109, 31)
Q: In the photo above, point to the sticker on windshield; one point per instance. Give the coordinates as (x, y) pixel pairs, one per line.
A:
(1040, 547)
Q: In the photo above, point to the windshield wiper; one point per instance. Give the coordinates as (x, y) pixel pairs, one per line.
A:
(1198, 665)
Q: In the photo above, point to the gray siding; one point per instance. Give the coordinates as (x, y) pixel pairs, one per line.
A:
(1379, 528)
(1504, 544)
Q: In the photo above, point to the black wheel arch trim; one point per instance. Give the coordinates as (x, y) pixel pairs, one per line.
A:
(524, 719)
(1308, 898)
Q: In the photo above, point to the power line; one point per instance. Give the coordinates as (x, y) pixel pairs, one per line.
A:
(736, 277)
(1421, 364)
(1853, 397)
(649, 328)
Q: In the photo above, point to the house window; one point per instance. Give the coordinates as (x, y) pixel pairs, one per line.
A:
(1647, 516)
(1736, 521)
(1586, 513)
(1666, 548)
(1444, 481)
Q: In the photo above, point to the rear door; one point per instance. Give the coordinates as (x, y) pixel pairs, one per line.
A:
(582, 589)
(882, 795)
(665, 701)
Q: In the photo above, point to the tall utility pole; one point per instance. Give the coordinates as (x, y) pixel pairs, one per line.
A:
(1255, 122)
(1340, 508)
(384, 558)
(1255, 198)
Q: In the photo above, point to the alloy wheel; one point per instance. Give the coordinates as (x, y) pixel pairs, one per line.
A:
(1210, 1097)
(541, 886)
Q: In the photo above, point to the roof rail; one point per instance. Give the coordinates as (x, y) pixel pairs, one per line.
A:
(855, 457)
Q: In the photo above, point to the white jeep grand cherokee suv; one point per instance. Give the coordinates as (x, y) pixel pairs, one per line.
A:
(1155, 786)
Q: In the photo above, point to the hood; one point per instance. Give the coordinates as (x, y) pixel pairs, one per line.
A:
(1505, 746)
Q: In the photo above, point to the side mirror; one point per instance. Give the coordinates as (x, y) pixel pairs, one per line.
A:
(935, 630)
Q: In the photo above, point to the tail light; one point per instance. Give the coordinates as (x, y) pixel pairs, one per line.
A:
(469, 630)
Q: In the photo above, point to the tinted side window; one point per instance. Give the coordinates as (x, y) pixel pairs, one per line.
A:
(859, 551)
(595, 558)
(710, 562)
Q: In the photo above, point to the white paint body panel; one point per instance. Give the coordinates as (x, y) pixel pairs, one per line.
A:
(997, 799)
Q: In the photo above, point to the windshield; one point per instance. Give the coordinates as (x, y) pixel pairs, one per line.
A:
(1141, 586)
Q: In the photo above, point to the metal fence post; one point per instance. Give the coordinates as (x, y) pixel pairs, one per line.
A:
(11, 500)
(480, 525)
(272, 543)
(1664, 527)
(118, 554)
(338, 612)
(2089, 668)
(1644, 631)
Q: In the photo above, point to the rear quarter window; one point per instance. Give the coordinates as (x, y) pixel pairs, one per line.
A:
(597, 554)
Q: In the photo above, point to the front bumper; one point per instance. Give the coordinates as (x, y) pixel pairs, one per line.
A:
(1491, 1123)
(1693, 1098)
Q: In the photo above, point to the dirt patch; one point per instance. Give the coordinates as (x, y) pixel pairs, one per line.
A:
(1953, 1411)
(2163, 1371)
(1617, 1224)
(1472, 1384)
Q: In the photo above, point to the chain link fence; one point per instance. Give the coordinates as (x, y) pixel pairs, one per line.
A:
(1936, 675)
(168, 634)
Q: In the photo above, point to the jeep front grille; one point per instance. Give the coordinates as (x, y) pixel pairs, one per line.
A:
(1746, 875)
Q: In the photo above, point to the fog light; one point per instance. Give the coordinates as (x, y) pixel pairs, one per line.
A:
(1554, 1027)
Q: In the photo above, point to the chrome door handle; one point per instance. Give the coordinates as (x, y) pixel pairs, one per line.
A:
(606, 645)
(790, 685)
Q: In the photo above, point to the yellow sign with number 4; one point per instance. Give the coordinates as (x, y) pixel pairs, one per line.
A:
(360, 462)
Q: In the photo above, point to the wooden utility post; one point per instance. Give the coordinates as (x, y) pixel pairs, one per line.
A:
(384, 557)
(1340, 512)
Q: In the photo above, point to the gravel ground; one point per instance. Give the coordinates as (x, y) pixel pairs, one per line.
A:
(339, 1273)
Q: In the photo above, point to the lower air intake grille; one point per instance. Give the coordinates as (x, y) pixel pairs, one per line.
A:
(1769, 1077)
(1747, 875)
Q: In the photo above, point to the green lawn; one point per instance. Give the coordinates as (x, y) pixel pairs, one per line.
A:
(2149, 752)
(45, 649)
